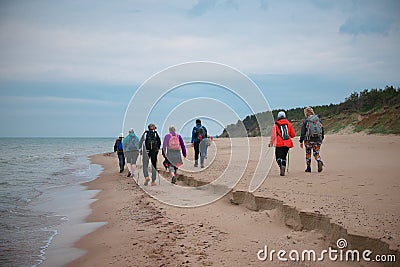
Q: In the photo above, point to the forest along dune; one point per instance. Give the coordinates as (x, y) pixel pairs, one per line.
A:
(355, 197)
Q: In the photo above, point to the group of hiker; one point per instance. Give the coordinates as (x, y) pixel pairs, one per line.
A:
(311, 137)
(129, 148)
(173, 148)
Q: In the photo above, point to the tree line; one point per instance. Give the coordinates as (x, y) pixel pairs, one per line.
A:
(363, 102)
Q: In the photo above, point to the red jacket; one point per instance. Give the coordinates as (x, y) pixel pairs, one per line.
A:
(276, 135)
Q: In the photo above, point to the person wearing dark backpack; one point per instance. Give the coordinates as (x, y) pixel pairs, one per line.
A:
(172, 146)
(119, 148)
(150, 142)
(312, 134)
(131, 150)
(281, 137)
(199, 133)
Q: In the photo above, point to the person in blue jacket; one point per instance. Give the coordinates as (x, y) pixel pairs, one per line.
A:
(199, 133)
(119, 148)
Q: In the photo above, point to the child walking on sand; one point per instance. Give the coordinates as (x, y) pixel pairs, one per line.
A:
(281, 135)
(312, 134)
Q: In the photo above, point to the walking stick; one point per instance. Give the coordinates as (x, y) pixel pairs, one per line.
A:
(140, 161)
(288, 161)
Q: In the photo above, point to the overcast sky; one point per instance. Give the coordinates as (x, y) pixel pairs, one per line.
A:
(70, 68)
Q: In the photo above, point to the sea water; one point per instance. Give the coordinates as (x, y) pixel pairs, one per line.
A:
(37, 176)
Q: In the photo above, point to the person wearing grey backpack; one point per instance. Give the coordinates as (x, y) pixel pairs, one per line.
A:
(131, 150)
(312, 134)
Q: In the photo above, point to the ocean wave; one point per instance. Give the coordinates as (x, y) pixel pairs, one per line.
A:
(4, 161)
(43, 248)
(4, 183)
(25, 200)
(60, 173)
(30, 170)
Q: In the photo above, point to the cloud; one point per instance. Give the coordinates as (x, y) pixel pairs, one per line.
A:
(371, 18)
(264, 4)
(26, 101)
(99, 42)
(280, 39)
(202, 7)
(367, 25)
(323, 4)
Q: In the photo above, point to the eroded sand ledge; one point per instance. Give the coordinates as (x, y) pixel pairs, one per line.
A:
(301, 220)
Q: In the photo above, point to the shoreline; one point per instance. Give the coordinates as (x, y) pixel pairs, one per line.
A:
(72, 203)
(160, 232)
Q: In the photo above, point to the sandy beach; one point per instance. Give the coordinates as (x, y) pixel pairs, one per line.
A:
(356, 197)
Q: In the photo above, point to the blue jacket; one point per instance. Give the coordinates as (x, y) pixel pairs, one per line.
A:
(131, 142)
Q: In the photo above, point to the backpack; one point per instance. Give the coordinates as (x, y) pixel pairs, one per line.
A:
(200, 133)
(132, 144)
(120, 146)
(284, 131)
(151, 140)
(174, 143)
(313, 127)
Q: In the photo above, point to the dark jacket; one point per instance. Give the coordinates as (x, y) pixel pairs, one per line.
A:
(116, 145)
(143, 142)
(195, 132)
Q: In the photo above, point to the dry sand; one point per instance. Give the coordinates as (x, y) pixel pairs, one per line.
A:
(356, 197)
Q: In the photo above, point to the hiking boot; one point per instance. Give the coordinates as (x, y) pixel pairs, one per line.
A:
(308, 169)
(173, 180)
(320, 165)
(146, 181)
(129, 174)
(283, 169)
(153, 184)
(196, 163)
(279, 162)
(121, 171)
(201, 166)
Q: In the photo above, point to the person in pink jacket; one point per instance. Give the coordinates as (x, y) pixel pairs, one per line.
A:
(173, 145)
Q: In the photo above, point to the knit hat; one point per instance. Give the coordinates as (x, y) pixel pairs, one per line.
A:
(281, 115)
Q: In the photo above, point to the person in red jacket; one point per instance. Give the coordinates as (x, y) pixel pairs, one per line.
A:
(281, 137)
